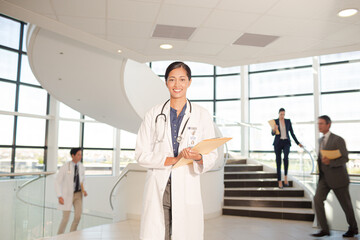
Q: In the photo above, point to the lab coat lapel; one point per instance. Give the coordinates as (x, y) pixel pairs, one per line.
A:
(168, 126)
(183, 144)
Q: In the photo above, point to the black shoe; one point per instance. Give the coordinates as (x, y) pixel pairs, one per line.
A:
(350, 233)
(286, 185)
(321, 234)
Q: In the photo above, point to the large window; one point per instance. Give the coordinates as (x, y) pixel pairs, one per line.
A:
(340, 95)
(23, 104)
(96, 139)
(24, 108)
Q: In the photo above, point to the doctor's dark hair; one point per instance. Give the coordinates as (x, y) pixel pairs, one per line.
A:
(281, 110)
(326, 118)
(175, 65)
(74, 151)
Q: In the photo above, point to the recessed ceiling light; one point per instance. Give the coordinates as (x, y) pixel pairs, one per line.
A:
(166, 46)
(119, 51)
(347, 12)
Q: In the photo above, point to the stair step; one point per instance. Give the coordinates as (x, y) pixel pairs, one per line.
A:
(243, 167)
(236, 161)
(279, 202)
(267, 182)
(249, 175)
(264, 192)
(276, 213)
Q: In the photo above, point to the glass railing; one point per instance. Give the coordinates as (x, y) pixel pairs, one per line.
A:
(29, 210)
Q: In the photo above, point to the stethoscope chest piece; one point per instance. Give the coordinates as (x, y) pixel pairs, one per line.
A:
(160, 130)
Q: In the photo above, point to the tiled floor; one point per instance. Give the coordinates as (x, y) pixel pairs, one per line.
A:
(221, 228)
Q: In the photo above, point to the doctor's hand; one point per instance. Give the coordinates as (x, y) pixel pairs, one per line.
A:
(173, 160)
(61, 200)
(85, 193)
(191, 154)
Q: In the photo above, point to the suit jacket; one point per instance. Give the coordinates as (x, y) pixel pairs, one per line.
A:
(335, 174)
(288, 128)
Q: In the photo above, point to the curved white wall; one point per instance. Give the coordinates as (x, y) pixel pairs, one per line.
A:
(104, 86)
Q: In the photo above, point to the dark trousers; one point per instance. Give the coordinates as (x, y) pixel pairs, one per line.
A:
(283, 145)
(167, 210)
(343, 196)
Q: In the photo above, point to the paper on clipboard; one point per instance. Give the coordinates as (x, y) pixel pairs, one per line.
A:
(331, 154)
(204, 147)
(272, 124)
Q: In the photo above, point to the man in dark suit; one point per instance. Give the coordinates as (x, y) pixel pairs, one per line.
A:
(333, 175)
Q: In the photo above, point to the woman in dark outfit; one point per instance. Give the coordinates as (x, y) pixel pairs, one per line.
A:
(282, 142)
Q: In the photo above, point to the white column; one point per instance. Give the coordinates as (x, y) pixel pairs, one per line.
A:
(53, 135)
(244, 110)
(317, 97)
(116, 154)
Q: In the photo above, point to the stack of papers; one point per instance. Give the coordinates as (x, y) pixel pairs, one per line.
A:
(331, 154)
(272, 124)
(204, 147)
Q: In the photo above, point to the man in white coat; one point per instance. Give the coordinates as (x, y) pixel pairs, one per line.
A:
(69, 187)
(172, 206)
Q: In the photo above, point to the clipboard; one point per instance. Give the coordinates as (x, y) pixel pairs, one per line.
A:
(272, 124)
(331, 154)
(204, 147)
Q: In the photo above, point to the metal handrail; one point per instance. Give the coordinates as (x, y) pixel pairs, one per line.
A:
(236, 123)
(25, 174)
(312, 159)
(124, 174)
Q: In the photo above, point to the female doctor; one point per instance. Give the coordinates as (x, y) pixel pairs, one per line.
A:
(172, 205)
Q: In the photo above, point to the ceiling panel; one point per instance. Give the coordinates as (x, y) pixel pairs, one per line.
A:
(204, 48)
(192, 3)
(214, 35)
(182, 15)
(230, 20)
(246, 6)
(129, 29)
(80, 8)
(90, 25)
(294, 27)
(133, 10)
(39, 6)
(317, 10)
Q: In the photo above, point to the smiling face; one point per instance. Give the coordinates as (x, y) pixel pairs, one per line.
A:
(178, 83)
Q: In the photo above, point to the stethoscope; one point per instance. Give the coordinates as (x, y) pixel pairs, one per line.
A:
(163, 116)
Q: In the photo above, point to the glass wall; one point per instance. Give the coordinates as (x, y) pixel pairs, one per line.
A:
(24, 114)
(340, 95)
(23, 105)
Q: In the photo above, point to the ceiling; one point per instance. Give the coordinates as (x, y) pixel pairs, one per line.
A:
(300, 28)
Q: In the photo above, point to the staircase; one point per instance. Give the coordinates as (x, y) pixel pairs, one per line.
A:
(251, 192)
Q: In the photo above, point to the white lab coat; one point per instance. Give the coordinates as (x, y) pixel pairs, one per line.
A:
(64, 183)
(187, 208)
